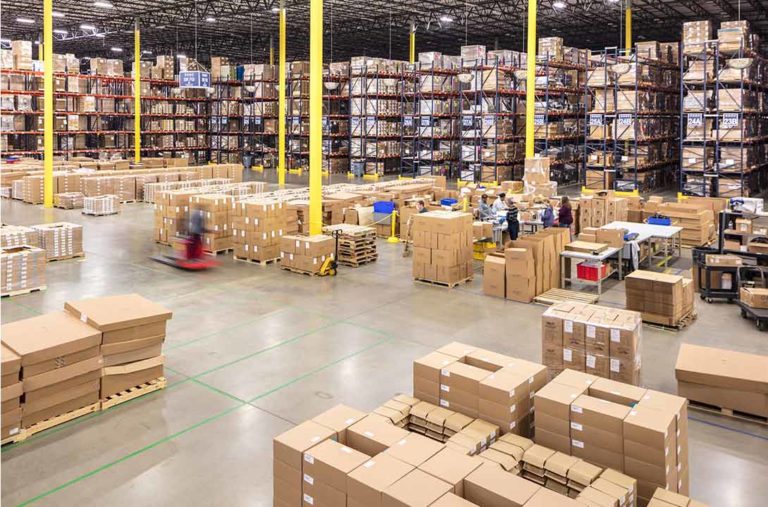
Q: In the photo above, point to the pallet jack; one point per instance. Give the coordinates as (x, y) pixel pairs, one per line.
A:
(330, 265)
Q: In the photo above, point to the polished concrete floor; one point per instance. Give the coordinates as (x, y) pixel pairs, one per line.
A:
(253, 350)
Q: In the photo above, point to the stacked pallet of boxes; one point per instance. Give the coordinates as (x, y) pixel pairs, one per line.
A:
(131, 331)
(442, 242)
(60, 240)
(22, 269)
(216, 209)
(601, 341)
(602, 208)
(68, 200)
(12, 390)
(101, 205)
(696, 219)
(60, 365)
(639, 432)
(661, 298)
(305, 254)
(257, 227)
(18, 235)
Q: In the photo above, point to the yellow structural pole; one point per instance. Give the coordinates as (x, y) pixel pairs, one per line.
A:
(316, 116)
(281, 101)
(628, 26)
(48, 103)
(530, 82)
(412, 45)
(136, 93)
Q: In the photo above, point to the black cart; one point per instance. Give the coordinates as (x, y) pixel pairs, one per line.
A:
(759, 315)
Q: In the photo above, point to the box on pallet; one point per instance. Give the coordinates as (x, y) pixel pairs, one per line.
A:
(442, 247)
(306, 253)
(257, 228)
(22, 268)
(661, 298)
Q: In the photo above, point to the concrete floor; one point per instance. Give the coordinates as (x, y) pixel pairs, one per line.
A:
(253, 350)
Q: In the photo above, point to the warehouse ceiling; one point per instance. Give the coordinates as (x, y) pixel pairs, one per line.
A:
(244, 29)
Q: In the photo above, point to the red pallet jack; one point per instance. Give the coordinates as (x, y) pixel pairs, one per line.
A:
(188, 255)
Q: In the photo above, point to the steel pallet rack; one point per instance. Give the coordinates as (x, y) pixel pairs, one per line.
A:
(723, 102)
(631, 131)
(226, 122)
(376, 114)
(430, 144)
(259, 98)
(297, 116)
(336, 118)
(491, 121)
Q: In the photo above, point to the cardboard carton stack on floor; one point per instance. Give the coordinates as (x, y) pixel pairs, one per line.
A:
(101, 205)
(171, 214)
(697, 219)
(594, 339)
(12, 390)
(306, 253)
(132, 332)
(60, 240)
(723, 379)
(60, 364)
(602, 208)
(661, 298)
(18, 235)
(68, 200)
(257, 228)
(442, 247)
(642, 433)
(664, 498)
(480, 383)
(216, 209)
(22, 268)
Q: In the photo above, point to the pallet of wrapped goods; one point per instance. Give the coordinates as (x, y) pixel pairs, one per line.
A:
(661, 298)
(305, 254)
(22, 269)
(216, 209)
(257, 227)
(357, 244)
(13, 389)
(68, 200)
(18, 235)
(60, 240)
(442, 247)
(101, 205)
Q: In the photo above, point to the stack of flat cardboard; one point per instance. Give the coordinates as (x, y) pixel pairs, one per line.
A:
(133, 333)
(22, 268)
(306, 253)
(216, 209)
(60, 364)
(60, 240)
(661, 298)
(598, 340)
(442, 247)
(12, 390)
(257, 226)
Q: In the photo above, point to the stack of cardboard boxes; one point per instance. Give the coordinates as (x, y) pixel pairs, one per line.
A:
(131, 333)
(257, 228)
(597, 340)
(68, 200)
(18, 235)
(216, 209)
(602, 208)
(12, 390)
(442, 247)
(306, 253)
(60, 240)
(101, 205)
(22, 268)
(661, 298)
(697, 219)
(537, 178)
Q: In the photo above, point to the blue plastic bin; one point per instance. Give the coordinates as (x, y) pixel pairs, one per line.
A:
(448, 201)
(383, 207)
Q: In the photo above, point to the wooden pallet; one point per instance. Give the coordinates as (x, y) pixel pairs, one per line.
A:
(357, 263)
(727, 412)
(67, 207)
(68, 257)
(21, 292)
(61, 419)
(129, 201)
(255, 261)
(443, 284)
(13, 439)
(101, 214)
(134, 392)
(221, 251)
(681, 324)
(299, 271)
(554, 296)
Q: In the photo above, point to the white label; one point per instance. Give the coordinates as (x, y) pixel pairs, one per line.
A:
(577, 409)
(444, 403)
(512, 425)
(369, 464)
(309, 480)
(84, 317)
(576, 426)
(309, 499)
(591, 361)
(445, 388)
(314, 439)
(615, 335)
(309, 458)
(567, 355)
(511, 393)
(568, 326)
(591, 331)
(368, 434)
(577, 443)
(512, 408)
(402, 442)
(445, 373)
(349, 421)
(530, 380)
(346, 449)
(615, 365)
(692, 160)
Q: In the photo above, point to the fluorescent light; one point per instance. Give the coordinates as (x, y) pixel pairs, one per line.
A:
(181, 56)
(87, 27)
(117, 50)
(100, 35)
(558, 5)
(102, 4)
(210, 20)
(446, 19)
(26, 21)
(275, 9)
(60, 31)
(56, 14)
(146, 52)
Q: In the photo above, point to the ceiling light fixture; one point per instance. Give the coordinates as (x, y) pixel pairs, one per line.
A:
(57, 14)
(146, 52)
(117, 50)
(181, 56)
(446, 19)
(26, 21)
(101, 35)
(210, 20)
(558, 4)
(60, 31)
(87, 27)
(275, 9)
(102, 4)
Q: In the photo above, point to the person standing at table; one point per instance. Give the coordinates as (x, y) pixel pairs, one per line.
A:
(565, 214)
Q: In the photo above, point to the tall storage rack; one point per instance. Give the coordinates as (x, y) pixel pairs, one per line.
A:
(297, 116)
(226, 121)
(376, 114)
(259, 98)
(559, 116)
(723, 149)
(632, 127)
(491, 132)
(430, 142)
(336, 118)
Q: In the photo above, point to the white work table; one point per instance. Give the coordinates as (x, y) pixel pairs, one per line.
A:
(565, 269)
(666, 235)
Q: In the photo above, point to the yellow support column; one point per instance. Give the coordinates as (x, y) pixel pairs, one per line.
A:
(412, 45)
(316, 116)
(281, 101)
(530, 81)
(137, 93)
(48, 103)
(628, 26)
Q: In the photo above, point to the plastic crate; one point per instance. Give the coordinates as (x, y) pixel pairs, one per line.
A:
(383, 207)
(591, 271)
(448, 201)
(659, 221)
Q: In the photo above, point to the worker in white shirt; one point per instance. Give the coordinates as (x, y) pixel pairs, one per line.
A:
(499, 204)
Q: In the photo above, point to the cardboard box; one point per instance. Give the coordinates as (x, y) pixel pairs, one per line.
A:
(426, 376)
(11, 365)
(113, 313)
(414, 449)
(490, 485)
(122, 377)
(494, 276)
(753, 297)
(415, 488)
(325, 471)
(367, 483)
(372, 435)
(452, 500)
(339, 418)
(451, 467)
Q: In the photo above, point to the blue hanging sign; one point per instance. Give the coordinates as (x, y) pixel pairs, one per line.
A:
(194, 79)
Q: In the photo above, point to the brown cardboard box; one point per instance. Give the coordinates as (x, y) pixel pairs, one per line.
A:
(626, 482)
(754, 297)
(494, 276)
(546, 498)
(415, 488)
(339, 418)
(372, 435)
(451, 467)
(122, 377)
(490, 485)
(11, 365)
(452, 500)
(326, 466)
(367, 483)
(113, 313)
(414, 449)
(426, 376)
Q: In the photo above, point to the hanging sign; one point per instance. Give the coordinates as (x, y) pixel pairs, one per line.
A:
(194, 79)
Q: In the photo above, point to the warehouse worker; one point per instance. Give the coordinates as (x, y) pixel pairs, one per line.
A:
(484, 212)
(421, 207)
(548, 215)
(498, 205)
(513, 220)
(196, 229)
(565, 215)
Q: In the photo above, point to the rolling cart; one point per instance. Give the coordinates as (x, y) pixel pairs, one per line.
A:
(759, 315)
